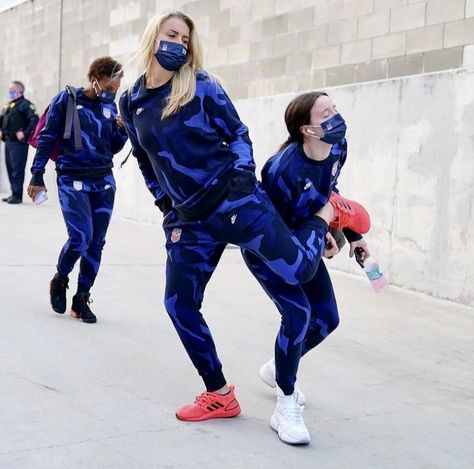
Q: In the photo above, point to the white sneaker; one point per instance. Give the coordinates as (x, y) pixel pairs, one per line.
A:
(287, 420)
(267, 374)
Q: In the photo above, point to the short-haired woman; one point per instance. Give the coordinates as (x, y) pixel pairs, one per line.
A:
(86, 185)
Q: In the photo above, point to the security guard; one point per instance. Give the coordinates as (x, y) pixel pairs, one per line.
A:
(17, 120)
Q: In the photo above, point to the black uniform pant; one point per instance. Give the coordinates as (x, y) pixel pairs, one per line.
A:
(16, 154)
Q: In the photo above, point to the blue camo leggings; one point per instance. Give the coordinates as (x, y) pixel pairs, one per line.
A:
(249, 220)
(87, 208)
(308, 312)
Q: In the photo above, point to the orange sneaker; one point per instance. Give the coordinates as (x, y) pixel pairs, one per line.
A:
(349, 214)
(210, 405)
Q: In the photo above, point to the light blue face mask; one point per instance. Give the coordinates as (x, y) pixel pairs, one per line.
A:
(13, 94)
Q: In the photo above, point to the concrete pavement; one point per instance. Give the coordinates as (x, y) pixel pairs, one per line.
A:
(391, 388)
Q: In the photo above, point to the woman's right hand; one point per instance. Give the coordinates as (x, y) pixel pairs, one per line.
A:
(33, 190)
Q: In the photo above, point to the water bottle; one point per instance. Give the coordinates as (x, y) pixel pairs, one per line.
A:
(40, 197)
(375, 274)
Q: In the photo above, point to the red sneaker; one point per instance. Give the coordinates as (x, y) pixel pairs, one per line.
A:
(210, 405)
(349, 214)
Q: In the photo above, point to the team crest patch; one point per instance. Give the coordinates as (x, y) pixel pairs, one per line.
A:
(106, 112)
(335, 166)
(176, 235)
(77, 185)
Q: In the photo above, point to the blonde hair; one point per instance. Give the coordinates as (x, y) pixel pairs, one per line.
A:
(183, 85)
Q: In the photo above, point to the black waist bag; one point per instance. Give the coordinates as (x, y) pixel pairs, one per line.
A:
(237, 181)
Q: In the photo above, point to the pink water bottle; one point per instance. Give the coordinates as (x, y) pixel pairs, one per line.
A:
(375, 274)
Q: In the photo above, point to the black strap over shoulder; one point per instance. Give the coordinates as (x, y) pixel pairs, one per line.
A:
(72, 118)
(131, 149)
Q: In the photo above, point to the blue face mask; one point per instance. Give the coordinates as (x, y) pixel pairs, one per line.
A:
(13, 94)
(334, 129)
(106, 97)
(171, 55)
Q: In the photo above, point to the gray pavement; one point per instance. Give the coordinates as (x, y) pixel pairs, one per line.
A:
(391, 388)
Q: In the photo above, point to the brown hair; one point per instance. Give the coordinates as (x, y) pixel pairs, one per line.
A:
(105, 67)
(298, 113)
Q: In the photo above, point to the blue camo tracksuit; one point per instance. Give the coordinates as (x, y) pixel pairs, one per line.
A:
(86, 185)
(298, 187)
(198, 164)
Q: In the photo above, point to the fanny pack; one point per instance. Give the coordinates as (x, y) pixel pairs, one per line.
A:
(235, 180)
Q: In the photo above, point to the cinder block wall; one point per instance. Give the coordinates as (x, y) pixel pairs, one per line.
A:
(388, 63)
(258, 48)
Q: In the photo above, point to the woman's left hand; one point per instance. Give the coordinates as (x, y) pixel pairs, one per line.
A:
(362, 244)
(331, 246)
(33, 190)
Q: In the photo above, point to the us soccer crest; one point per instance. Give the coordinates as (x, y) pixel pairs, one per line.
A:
(106, 112)
(176, 235)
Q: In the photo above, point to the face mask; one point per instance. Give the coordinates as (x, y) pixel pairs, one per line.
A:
(13, 94)
(171, 55)
(334, 130)
(107, 97)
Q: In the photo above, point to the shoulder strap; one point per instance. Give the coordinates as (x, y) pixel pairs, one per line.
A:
(72, 118)
(130, 152)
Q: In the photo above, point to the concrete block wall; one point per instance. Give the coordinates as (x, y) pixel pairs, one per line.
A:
(388, 64)
(332, 42)
(258, 48)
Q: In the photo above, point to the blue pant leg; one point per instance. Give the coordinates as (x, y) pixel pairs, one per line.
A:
(294, 308)
(324, 313)
(251, 222)
(101, 203)
(191, 260)
(75, 206)
(18, 154)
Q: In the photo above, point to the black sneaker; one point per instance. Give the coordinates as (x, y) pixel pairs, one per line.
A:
(80, 308)
(57, 293)
(6, 199)
(14, 200)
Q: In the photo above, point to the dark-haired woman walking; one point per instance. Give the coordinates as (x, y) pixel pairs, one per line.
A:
(86, 185)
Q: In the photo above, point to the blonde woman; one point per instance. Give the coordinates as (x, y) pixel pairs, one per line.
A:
(196, 158)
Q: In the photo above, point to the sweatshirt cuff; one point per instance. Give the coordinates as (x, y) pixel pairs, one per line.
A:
(164, 204)
(37, 179)
(351, 235)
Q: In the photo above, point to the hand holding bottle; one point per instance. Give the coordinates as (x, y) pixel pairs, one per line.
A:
(372, 270)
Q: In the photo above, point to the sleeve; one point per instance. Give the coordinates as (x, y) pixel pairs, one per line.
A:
(29, 111)
(351, 235)
(48, 136)
(225, 119)
(119, 138)
(278, 189)
(140, 154)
